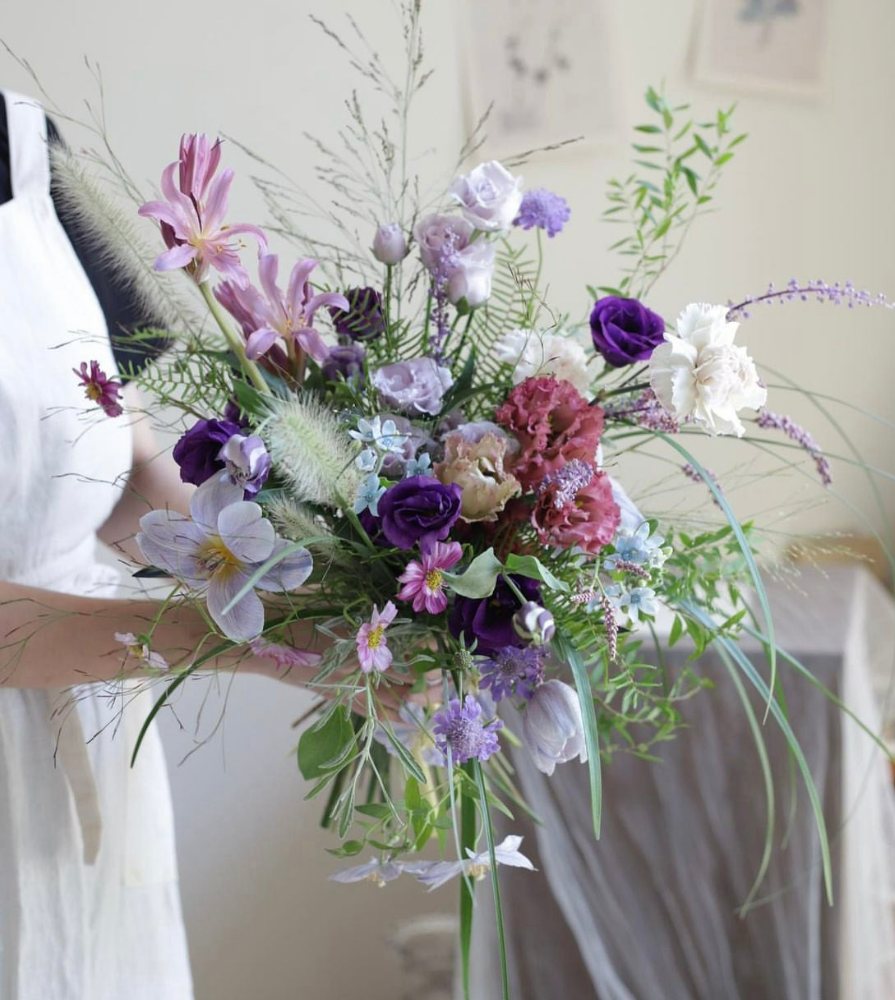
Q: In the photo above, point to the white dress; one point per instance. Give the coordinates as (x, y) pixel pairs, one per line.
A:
(89, 905)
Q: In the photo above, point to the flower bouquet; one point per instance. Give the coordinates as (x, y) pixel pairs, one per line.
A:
(410, 480)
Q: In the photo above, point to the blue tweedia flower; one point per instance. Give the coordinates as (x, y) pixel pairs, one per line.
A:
(367, 460)
(638, 548)
(419, 466)
(543, 209)
(462, 730)
(382, 434)
(512, 670)
(634, 602)
(369, 495)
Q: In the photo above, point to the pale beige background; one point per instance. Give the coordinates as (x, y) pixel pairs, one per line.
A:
(811, 195)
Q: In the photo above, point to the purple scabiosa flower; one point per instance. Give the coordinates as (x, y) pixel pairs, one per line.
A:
(513, 671)
(489, 620)
(345, 361)
(543, 209)
(363, 319)
(418, 510)
(99, 388)
(373, 653)
(462, 730)
(219, 549)
(624, 330)
(247, 462)
(198, 452)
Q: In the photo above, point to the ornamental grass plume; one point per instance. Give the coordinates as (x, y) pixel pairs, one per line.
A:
(310, 451)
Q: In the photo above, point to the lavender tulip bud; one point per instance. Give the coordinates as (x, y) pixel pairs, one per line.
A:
(389, 244)
(552, 729)
(534, 624)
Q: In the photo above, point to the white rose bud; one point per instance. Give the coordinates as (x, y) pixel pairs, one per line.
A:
(470, 277)
(389, 244)
(552, 729)
(489, 196)
(534, 624)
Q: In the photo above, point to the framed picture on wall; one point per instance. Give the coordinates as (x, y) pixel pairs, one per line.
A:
(547, 67)
(772, 46)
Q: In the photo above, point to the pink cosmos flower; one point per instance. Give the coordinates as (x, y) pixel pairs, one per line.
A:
(285, 657)
(372, 646)
(424, 579)
(191, 217)
(99, 388)
(270, 316)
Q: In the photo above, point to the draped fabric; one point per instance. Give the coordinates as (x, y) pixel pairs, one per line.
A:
(650, 912)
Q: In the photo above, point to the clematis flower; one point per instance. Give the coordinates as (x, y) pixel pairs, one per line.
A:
(217, 549)
(436, 873)
(285, 657)
(138, 648)
(192, 215)
(269, 315)
(99, 388)
(372, 646)
(375, 871)
(423, 579)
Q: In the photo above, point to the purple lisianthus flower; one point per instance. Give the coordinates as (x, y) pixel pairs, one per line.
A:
(418, 510)
(363, 319)
(198, 451)
(346, 360)
(489, 620)
(414, 387)
(219, 549)
(543, 209)
(624, 330)
(513, 671)
(247, 462)
(463, 730)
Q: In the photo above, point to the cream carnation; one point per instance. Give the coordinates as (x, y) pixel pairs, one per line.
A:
(699, 374)
(537, 354)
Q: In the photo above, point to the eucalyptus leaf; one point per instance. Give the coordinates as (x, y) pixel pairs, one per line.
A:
(479, 578)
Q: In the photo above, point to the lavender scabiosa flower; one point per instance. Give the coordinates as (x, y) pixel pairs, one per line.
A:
(513, 671)
(837, 293)
(768, 420)
(462, 730)
(99, 388)
(542, 209)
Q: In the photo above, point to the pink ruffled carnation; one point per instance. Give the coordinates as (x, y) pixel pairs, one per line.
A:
(554, 424)
(589, 519)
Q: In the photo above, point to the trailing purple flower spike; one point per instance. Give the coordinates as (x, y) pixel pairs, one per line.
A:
(819, 290)
(769, 420)
(691, 473)
(644, 410)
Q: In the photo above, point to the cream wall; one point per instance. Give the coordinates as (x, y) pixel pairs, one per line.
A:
(811, 194)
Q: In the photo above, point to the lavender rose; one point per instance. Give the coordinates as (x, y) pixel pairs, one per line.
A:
(198, 451)
(624, 330)
(489, 196)
(415, 386)
(489, 620)
(418, 509)
(439, 236)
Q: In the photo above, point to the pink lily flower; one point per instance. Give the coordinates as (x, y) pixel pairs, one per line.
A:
(372, 646)
(192, 215)
(424, 579)
(272, 316)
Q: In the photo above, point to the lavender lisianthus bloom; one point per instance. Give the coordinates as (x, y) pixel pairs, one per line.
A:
(413, 387)
(198, 451)
(542, 209)
(464, 731)
(489, 196)
(217, 549)
(363, 319)
(246, 462)
(418, 510)
(345, 360)
(489, 620)
(624, 330)
(552, 728)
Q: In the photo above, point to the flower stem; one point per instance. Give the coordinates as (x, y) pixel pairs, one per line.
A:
(495, 884)
(234, 342)
(530, 312)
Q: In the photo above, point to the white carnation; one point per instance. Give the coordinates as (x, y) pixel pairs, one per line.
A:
(535, 354)
(699, 373)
